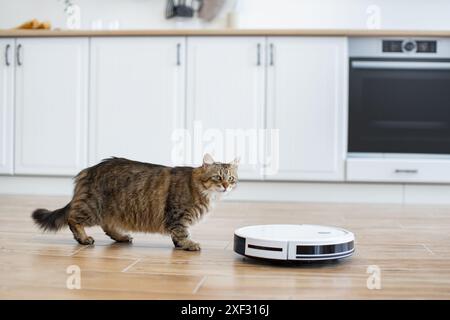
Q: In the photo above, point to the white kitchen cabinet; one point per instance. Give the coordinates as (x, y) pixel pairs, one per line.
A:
(6, 105)
(390, 168)
(51, 105)
(225, 99)
(307, 86)
(137, 97)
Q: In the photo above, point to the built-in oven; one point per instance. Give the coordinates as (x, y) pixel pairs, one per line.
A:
(399, 96)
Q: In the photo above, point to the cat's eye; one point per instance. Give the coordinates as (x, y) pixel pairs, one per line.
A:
(231, 179)
(218, 178)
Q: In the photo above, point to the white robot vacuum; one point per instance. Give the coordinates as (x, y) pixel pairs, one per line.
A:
(294, 242)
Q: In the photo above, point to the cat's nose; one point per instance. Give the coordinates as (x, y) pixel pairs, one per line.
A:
(225, 185)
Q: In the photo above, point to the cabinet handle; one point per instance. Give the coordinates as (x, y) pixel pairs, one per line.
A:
(178, 54)
(19, 61)
(411, 171)
(258, 54)
(8, 46)
(271, 54)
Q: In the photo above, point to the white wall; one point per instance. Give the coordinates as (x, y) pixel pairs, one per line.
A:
(131, 14)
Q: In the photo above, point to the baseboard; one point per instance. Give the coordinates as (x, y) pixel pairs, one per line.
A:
(318, 192)
(36, 185)
(342, 192)
(427, 194)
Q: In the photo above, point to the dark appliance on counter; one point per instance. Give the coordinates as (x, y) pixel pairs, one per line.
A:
(180, 8)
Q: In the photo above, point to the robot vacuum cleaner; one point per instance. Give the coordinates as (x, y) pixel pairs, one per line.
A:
(294, 242)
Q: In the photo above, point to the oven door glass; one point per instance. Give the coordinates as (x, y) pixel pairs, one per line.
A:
(399, 106)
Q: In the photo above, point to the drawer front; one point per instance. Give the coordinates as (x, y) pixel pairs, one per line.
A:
(398, 170)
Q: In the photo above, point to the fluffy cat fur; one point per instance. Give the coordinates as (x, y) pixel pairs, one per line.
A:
(123, 195)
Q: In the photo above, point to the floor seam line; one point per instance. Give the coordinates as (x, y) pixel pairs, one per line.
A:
(428, 249)
(131, 265)
(199, 284)
(77, 251)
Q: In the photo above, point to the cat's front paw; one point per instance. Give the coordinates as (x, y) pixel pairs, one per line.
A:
(190, 246)
(86, 241)
(125, 238)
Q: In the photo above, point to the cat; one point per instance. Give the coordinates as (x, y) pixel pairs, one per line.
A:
(124, 195)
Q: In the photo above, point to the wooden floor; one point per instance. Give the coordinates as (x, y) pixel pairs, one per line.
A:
(410, 245)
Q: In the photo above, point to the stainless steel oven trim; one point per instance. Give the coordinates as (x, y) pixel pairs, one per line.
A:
(403, 65)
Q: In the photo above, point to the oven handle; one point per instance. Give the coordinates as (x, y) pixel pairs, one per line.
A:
(418, 65)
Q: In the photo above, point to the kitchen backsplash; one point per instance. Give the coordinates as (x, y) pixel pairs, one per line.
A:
(145, 14)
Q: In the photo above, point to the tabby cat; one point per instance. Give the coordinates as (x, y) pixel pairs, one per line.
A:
(123, 195)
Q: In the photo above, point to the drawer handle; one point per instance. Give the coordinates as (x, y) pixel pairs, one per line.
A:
(178, 54)
(8, 46)
(271, 55)
(18, 54)
(258, 54)
(410, 171)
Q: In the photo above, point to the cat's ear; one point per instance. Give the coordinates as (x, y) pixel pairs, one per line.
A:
(207, 159)
(235, 162)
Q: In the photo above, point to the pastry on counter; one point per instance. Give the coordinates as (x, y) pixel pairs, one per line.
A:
(35, 24)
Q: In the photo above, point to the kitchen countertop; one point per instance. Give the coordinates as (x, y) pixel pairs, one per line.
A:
(222, 32)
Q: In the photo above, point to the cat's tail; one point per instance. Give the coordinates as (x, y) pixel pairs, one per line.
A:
(51, 220)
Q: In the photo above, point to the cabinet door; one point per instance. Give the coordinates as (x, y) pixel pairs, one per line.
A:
(137, 97)
(226, 99)
(51, 105)
(307, 86)
(6, 105)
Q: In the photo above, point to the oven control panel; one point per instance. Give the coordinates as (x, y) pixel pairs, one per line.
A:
(419, 46)
(398, 47)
